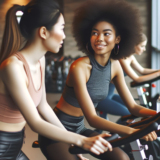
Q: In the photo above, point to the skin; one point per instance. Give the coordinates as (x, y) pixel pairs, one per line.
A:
(13, 78)
(103, 39)
(130, 64)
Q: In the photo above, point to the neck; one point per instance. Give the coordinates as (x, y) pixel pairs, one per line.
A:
(33, 52)
(102, 59)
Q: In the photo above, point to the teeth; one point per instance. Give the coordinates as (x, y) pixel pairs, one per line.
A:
(99, 45)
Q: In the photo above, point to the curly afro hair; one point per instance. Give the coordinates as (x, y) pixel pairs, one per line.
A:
(123, 16)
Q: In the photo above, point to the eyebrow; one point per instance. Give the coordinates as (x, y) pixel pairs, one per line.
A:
(103, 30)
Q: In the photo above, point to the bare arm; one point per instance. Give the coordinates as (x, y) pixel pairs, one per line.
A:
(140, 69)
(125, 94)
(18, 90)
(17, 87)
(78, 77)
(44, 108)
(127, 67)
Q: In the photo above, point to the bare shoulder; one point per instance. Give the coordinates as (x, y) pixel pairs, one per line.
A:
(11, 64)
(114, 63)
(10, 69)
(131, 58)
(79, 71)
(115, 67)
(82, 63)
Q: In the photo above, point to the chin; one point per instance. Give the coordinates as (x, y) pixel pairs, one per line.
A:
(54, 51)
(100, 52)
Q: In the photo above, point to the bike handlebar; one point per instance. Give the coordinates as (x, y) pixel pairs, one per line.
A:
(120, 141)
(136, 84)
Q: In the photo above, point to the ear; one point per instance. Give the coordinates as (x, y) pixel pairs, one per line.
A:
(43, 32)
(118, 39)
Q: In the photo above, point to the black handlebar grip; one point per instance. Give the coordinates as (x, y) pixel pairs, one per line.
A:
(135, 84)
(136, 135)
(155, 118)
(124, 140)
(78, 150)
(124, 118)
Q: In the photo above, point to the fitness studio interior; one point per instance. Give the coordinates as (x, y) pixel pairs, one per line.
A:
(57, 66)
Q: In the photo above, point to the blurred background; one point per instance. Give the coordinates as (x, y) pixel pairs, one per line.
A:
(57, 65)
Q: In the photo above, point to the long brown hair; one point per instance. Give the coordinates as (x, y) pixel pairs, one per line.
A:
(11, 41)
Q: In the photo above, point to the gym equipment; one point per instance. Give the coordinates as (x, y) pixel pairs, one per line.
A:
(136, 146)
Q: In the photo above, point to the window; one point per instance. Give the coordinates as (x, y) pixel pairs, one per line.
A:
(155, 41)
(19, 15)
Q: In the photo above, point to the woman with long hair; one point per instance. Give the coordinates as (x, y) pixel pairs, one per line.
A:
(22, 89)
(130, 64)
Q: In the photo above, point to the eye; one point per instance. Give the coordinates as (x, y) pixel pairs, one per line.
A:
(94, 33)
(106, 34)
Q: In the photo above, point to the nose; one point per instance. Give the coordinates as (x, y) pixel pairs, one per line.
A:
(64, 36)
(100, 38)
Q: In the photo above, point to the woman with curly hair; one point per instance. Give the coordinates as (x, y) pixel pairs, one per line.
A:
(128, 65)
(106, 31)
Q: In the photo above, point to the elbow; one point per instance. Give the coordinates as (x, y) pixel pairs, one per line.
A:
(92, 125)
(138, 80)
(34, 125)
(143, 72)
(91, 122)
(133, 110)
(33, 129)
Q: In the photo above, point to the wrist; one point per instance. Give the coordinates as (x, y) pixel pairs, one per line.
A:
(132, 130)
(80, 140)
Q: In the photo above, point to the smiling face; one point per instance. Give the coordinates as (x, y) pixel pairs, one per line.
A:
(56, 36)
(103, 38)
(140, 48)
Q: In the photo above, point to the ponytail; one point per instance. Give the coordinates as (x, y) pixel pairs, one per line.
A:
(11, 41)
(36, 13)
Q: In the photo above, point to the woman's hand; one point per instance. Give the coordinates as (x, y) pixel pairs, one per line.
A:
(150, 137)
(96, 144)
(81, 157)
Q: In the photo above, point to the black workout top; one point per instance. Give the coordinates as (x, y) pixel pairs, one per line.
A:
(97, 85)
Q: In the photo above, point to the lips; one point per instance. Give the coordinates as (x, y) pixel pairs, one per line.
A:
(100, 46)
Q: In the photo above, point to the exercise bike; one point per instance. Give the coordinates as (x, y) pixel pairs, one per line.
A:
(137, 149)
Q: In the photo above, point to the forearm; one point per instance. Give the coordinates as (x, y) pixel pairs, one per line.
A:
(147, 77)
(101, 123)
(140, 111)
(55, 133)
(149, 71)
(48, 114)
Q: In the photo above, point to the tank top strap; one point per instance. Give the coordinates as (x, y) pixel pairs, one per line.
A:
(26, 67)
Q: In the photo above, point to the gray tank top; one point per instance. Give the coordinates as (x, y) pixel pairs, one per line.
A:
(97, 85)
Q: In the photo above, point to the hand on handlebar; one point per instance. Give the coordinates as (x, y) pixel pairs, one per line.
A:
(97, 144)
(150, 137)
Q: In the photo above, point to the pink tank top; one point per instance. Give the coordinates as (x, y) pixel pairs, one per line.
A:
(9, 112)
